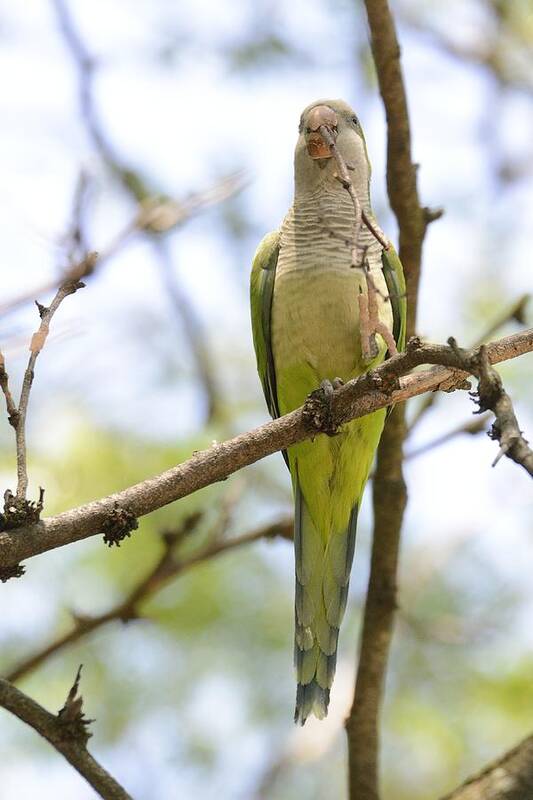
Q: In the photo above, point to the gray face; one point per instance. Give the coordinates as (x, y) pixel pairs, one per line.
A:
(312, 160)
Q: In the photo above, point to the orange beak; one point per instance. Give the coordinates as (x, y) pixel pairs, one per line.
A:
(318, 116)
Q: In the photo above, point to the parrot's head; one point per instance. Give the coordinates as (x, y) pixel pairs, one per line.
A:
(313, 161)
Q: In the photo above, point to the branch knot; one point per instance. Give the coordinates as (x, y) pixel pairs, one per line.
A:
(19, 512)
(118, 525)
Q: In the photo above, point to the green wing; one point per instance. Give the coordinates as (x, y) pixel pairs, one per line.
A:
(261, 293)
(394, 278)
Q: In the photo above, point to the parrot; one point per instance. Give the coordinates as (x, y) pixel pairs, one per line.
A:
(305, 313)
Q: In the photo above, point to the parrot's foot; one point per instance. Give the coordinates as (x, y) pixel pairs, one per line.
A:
(318, 407)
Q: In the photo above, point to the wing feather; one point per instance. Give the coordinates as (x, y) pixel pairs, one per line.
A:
(394, 278)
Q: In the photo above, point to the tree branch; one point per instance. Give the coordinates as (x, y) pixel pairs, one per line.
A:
(17, 508)
(168, 567)
(491, 395)
(389, 490)
(401, 171)
(371, 391)
(362, 725)
(37, 343)
(162, 212)
(507, 778)
(66, 732)
(515, 312)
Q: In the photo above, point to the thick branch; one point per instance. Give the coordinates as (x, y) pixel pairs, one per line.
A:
(401, 172)
(390, 498)
(389, 491)
(368, 393)
(65, 732)
(508, 778)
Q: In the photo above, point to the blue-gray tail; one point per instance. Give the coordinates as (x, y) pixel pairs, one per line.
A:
(322, 581)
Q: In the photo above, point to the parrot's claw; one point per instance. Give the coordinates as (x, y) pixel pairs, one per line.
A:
(318, 407)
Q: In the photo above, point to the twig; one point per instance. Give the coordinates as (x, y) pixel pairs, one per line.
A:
(509, 777)
(347, 184)
(367, 393)
(369, 322)
(11, 406)
(360, 213)
(487, 51)
(192, 329)
(17, 413)
(66, 732)
(516, 312)
(168, 567)
(491, 395)
(159, 216)
(36, 345)
(155, 215)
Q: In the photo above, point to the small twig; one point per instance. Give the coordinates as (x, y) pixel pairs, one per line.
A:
(156, 215)
(74, 239)
(12, 411)
(491, 395)
(168, 567)
(66, 731)
(347, 184)
(360, 213)
(516, 312)
(369, 322)
(36, 345)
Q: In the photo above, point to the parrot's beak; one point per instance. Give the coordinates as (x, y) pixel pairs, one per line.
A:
(318, 116)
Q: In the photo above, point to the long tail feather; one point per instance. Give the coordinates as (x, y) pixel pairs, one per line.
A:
(322, 580)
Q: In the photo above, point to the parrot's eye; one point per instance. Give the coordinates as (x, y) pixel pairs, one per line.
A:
(355, 121)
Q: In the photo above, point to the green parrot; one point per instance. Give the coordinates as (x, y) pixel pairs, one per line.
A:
(307, 333)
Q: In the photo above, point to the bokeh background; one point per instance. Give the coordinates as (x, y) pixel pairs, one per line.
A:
(199, 101)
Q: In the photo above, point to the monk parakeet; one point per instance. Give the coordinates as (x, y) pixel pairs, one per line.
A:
(306, 330)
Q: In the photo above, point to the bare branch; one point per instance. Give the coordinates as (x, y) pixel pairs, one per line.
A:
(36, 345)
(156, 215)
(168, 567)
(11, 407)
(516, 311)
(377, 389)
(362, 724)
(66, 732)
(389, 491)
(401, 171)
(508, 778)
(491, 395)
